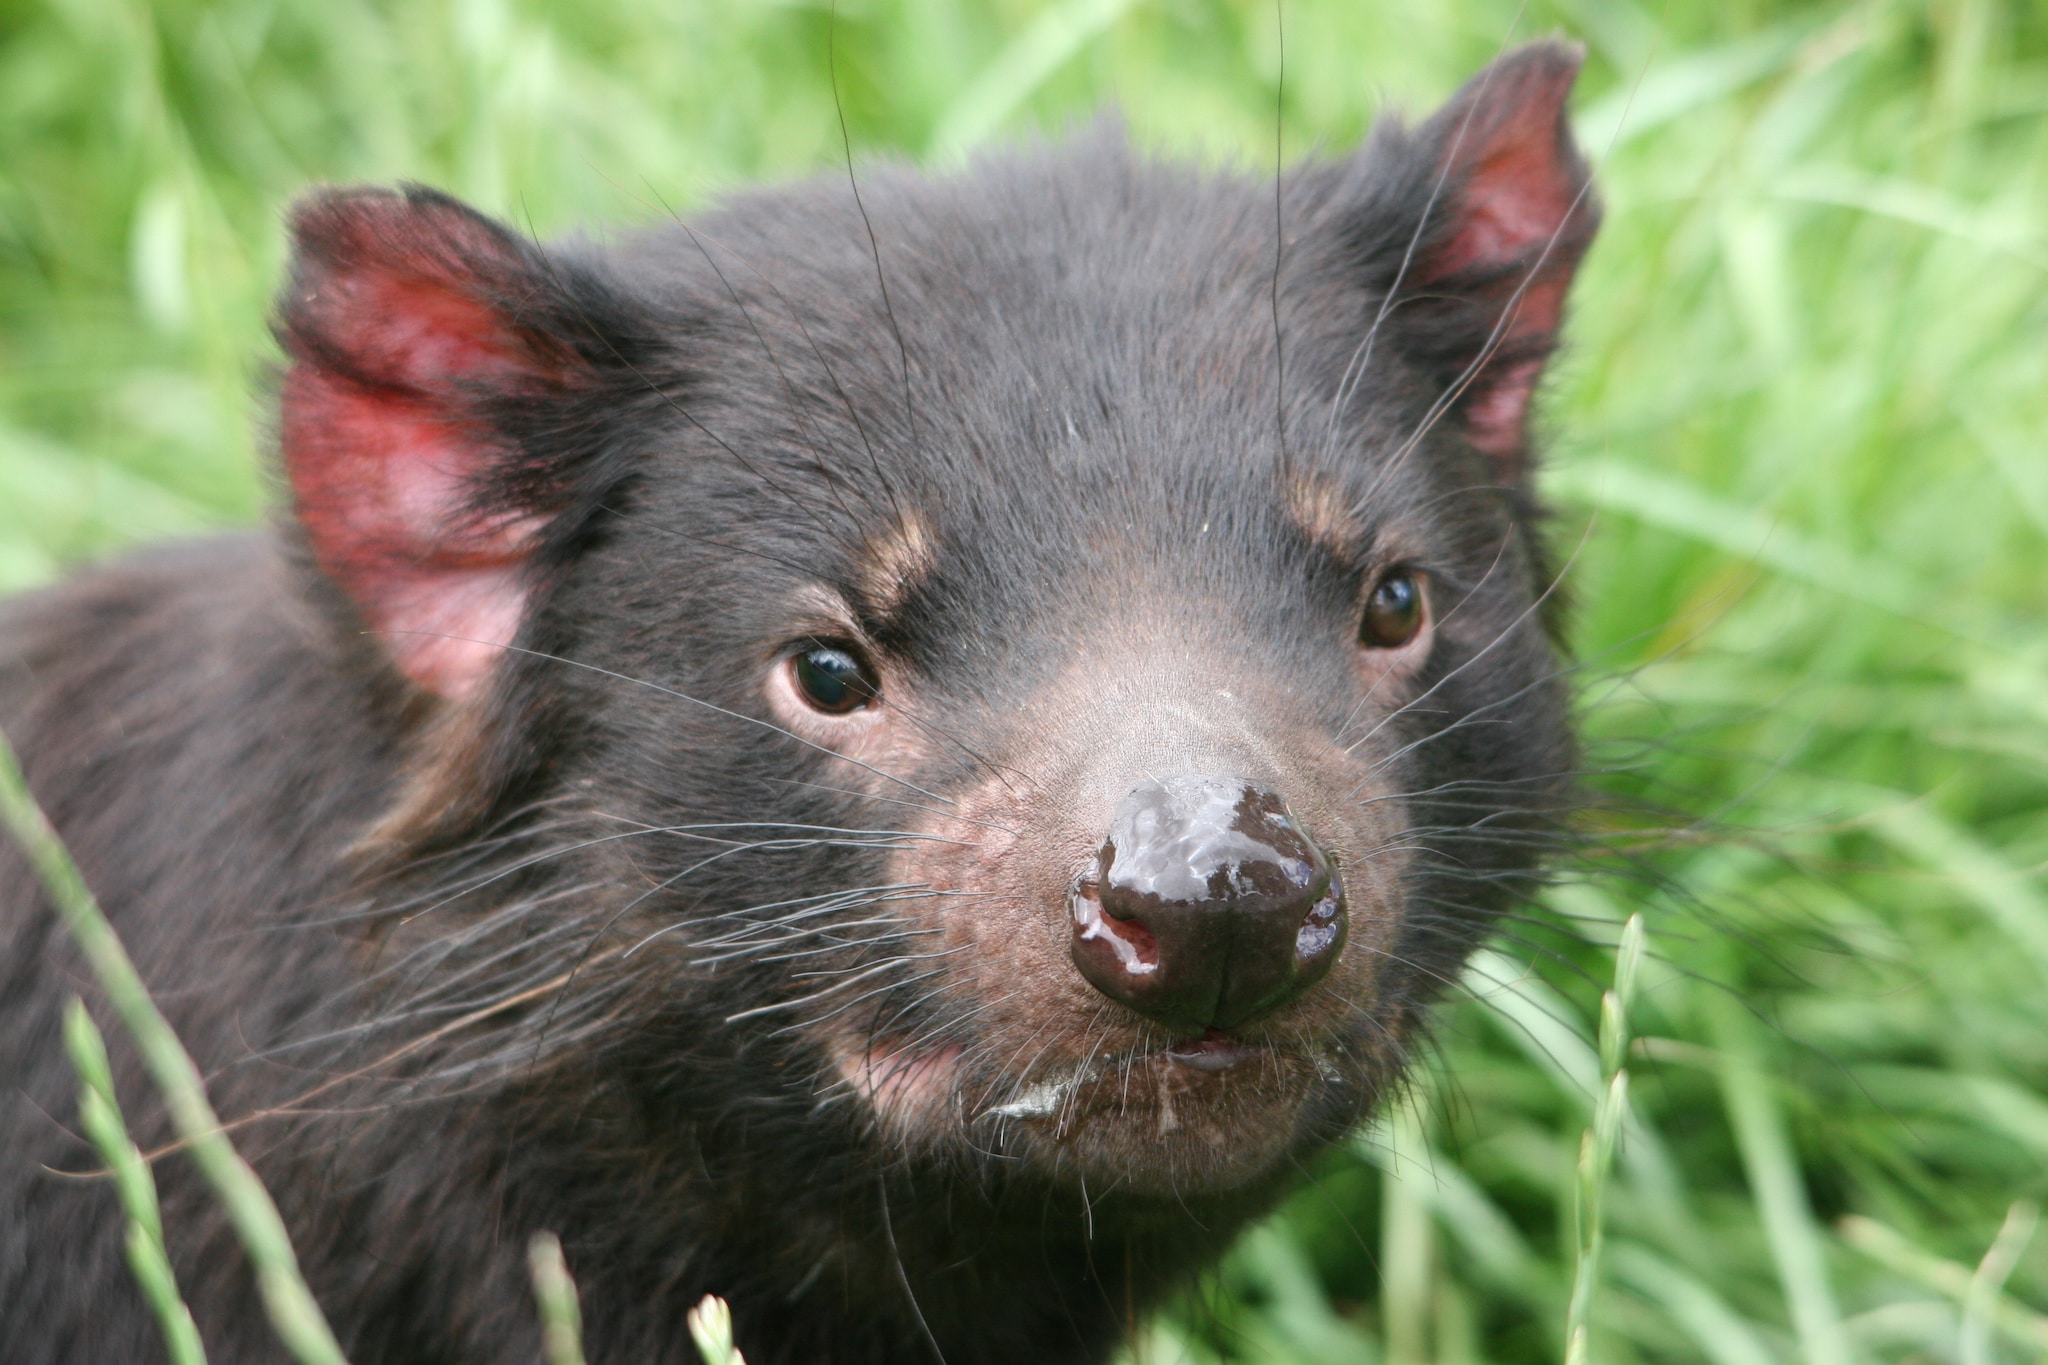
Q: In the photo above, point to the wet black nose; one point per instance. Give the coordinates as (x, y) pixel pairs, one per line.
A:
(1208, 905)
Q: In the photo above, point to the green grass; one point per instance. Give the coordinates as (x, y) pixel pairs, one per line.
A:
(1800, 440)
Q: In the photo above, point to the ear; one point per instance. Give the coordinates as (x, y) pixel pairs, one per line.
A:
(1505, 217)
(416, 329)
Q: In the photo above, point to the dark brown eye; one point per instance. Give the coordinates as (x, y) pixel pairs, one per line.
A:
(834, 679)
(1393, 614)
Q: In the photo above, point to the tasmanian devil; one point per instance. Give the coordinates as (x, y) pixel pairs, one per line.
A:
(904, 752)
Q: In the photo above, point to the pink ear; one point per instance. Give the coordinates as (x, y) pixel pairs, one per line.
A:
(401, 325)
(1518, 219)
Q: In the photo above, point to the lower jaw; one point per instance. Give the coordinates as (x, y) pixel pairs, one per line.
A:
(1177, 1121)
(1208, 1116)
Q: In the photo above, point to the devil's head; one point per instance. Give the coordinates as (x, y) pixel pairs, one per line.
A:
(1048, 665)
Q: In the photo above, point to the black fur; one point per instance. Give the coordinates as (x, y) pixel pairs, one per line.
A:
(395, 931)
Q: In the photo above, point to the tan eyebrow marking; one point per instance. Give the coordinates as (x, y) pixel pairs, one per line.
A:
(895, 562)
(1323, 512)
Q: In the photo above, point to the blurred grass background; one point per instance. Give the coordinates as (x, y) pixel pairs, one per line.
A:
(1799, 440)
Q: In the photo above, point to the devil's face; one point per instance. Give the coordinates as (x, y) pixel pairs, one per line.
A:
(1067, 676)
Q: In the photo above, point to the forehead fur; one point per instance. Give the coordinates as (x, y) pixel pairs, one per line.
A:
(1066, 360)
(1037, 297)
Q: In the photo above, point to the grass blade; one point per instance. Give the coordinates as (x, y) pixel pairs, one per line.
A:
(1981, 1302)
(561, 1316)
(1052, 39)
(711, 1328)
(99, 1113)
(1780, 1193)
(1959, 1283)
(1596, 1145)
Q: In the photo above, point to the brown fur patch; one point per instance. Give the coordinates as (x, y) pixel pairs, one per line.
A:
(895, 562)
(444, 788)
(1323, 511)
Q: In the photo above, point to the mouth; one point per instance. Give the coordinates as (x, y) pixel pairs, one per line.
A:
(1199, 1070)
(891, 1077)
(1060, 1097)
(1214, 1051)
(1216, 1112)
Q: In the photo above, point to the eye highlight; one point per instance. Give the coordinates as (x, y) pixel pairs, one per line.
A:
(834, 679)
(1393, 613)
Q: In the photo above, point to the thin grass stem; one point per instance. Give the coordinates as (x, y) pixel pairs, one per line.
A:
(99, 1113)
(1597, 1143)
(554, 1293)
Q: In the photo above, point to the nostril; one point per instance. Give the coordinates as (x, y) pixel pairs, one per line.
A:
(1208, 904)
(1133, 947)
(1322, 929)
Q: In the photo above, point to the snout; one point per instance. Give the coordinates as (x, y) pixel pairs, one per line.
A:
(1208, 906)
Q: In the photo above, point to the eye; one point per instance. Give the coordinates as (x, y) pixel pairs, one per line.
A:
(834, 679)
(1393, 614)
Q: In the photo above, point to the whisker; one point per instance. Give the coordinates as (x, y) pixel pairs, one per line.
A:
(874, 245)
